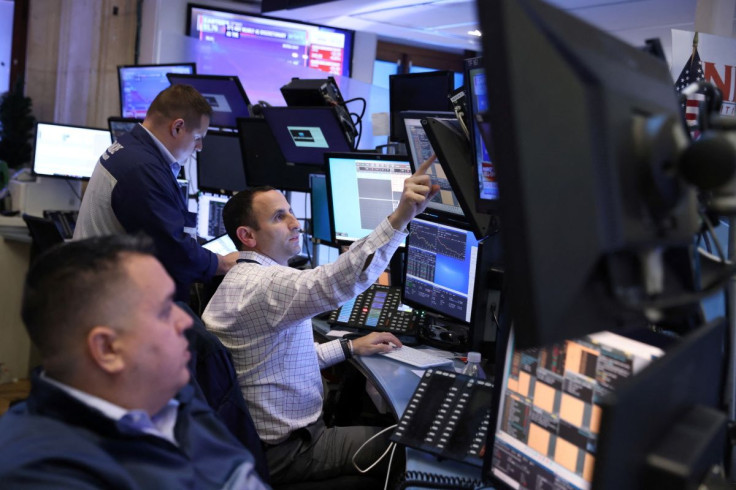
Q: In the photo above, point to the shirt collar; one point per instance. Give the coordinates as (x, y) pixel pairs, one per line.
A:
(175, 166)
(258, 257)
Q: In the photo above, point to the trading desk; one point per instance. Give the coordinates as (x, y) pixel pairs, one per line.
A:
(396, 383)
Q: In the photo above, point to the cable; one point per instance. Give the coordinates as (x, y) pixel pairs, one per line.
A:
(380, 458)
(712, 233)
(388, 470)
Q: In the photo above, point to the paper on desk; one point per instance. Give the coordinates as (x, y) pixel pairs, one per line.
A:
(338, 333)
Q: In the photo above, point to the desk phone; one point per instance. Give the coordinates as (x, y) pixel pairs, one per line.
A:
(377, 309)
(449, 415)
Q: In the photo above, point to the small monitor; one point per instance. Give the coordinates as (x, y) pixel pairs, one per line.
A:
(475, 80)
(140, 84)
(363, 189)
(420, 149)
(220, 163)
(209, 214)
(427, 91)
(67, 151)
(321, 225)
(221, 245)
(224, 93)
(120, 125)
(305, 134)
(440, 269)
(549, 408)
(263, 161)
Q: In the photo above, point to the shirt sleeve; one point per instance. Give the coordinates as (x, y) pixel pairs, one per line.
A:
(329, 353)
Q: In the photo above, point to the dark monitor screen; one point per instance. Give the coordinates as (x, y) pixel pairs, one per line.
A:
(441, 269)
(263, 161)
(291, 42)
(321, 226)
(475, 80)
(224, 93)
(121, 125)
(209, 214)
(549, 408)
(220, 163)
(66, 151)
(420, 149)
(426, 91)
(580, 200)
(305, 134)
(140, 84)
(363, 189)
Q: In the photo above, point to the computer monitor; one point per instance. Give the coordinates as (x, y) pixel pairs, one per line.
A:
(120, 125)
(140, 84)
(582, 201)
(420, 149)
(224, 93)
(220, 163)
(441, 269)
(363, 189)
(221, 245)
(209, 214)
(320, 209)
(263, 161)
(427, 91)
(487, 188)
(305, 134)
(549, 411)
(66, 151)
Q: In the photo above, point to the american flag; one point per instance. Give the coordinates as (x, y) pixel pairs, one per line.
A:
(692, 72)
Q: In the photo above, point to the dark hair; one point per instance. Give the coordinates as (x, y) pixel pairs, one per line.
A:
(180, 101)
(238, 211)
(69, 285)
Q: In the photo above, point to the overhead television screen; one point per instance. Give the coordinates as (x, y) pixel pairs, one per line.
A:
(323, 48)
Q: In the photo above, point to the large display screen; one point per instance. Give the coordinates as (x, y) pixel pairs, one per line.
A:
(68, 151)
(323, 48)
(140, 84)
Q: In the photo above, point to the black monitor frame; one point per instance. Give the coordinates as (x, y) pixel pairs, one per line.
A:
(175, 78)
(121, 97)
(263, 162)
(237, 182)
(397, 105)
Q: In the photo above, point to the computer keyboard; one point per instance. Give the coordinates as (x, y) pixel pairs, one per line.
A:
(416, 357)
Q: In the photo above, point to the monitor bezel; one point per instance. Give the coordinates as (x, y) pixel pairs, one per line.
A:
(63, 176)
(190, 64)
(188, 78)
(330, 197)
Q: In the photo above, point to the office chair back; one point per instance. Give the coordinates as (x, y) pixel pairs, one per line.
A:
(44, 233)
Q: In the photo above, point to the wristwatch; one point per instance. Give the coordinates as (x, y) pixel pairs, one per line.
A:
(347, 348)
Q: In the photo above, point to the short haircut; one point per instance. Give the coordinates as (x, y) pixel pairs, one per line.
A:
(238, 211)
(180, 101)
(69, 288)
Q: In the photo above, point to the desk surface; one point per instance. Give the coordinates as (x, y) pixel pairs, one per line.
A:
(396, 382)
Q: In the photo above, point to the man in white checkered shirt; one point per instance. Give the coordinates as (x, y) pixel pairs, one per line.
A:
(262, 313)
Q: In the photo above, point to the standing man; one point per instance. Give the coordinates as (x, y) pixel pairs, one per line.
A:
(262, 313)
(114, 407)
(133, 188)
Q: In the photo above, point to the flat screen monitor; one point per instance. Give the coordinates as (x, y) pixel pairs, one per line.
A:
(223, 92)
(427, 91)
(221, 245)
(305, 134)
(420, 149)
(220, 163)
(363, 189)
(320, 208)
(263, 161)
(140, 84)
(120, 125)
(68, 151)
(209, 214)
(323, 48)
(580, 199)
(549, 410)
(475, 80)
(441, 269)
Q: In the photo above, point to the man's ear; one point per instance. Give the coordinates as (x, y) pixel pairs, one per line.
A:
(177, 126)
(246, 236)
(103, 344)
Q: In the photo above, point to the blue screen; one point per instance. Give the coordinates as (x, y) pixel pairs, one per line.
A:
(139, 85)
(320, 212)
(364, 189)
(441, 266)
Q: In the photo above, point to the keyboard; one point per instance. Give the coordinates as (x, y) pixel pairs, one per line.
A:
(416, 357)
